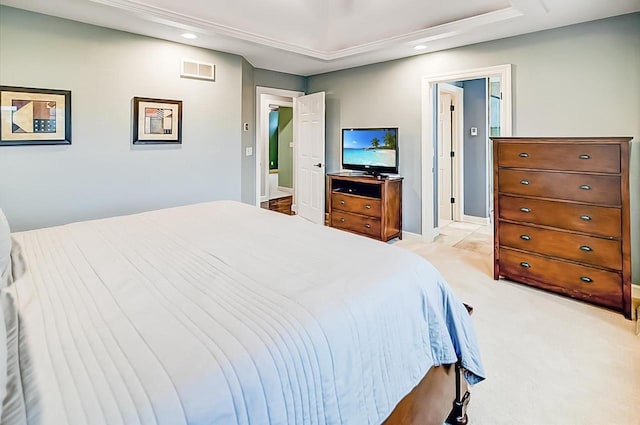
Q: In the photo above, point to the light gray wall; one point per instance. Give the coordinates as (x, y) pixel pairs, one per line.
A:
(280, 80)
(248, 137)
(475, 148)
(102, 173)
(582, 80)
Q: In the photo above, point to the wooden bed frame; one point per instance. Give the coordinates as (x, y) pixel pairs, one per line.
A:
(429, 403)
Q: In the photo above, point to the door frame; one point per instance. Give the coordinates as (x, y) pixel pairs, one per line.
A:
(429, 229)
(266, 96)
(457, 145)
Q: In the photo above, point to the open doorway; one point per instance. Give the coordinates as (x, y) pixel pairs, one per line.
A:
(307, 146)
(457, 151)
(274, 149)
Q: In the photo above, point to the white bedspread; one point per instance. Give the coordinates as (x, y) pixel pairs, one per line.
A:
(222, 313)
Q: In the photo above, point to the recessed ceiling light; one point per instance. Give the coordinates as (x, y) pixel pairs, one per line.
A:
(189, 36)
(420, 47)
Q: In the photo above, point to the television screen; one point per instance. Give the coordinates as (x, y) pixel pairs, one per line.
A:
(373, 150)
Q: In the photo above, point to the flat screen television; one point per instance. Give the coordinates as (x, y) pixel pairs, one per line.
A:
(372, 150)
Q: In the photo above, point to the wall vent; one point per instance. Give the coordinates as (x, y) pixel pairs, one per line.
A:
(200, 70)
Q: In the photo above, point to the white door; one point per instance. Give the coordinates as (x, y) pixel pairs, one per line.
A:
(309, 167)
(445, 211)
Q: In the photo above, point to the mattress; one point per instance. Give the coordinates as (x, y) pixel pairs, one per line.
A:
(223, 313)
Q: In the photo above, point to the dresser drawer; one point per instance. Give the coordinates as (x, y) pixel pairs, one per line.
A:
(602, 221)
(356, 204)
(559, 156)
(582, 282)
(596, 189)
(585, 249)
(355, 223)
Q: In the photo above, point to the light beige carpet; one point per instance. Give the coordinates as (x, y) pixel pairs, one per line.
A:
(549, 359)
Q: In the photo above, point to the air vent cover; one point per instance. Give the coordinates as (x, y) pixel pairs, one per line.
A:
(199, 70)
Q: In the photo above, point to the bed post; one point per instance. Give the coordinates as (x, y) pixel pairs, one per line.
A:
(458, 415)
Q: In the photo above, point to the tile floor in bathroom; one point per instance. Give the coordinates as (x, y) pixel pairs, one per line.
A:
(468, 236)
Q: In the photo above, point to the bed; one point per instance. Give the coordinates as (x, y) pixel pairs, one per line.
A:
(221, 313)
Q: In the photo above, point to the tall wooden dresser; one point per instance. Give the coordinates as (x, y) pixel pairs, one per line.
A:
(562, 216)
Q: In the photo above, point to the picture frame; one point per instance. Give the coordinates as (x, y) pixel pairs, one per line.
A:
(34, 116)
(157, 121)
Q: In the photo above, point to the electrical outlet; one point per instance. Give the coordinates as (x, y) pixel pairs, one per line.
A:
(249, 151)
(246, 126)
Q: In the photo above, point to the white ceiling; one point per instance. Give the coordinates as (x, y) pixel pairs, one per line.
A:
(307, 37)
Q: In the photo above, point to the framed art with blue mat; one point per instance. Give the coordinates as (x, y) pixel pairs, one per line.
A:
(157, 121)
(32, 116)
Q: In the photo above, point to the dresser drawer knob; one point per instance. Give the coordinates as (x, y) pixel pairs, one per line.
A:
(341, 202)
(524, 182)
(585, 217)
(524, 155)
(586, 248)
(525, 237)
(525, 265)
(585, 187)
(368, 206)
(368, 226)
(525, 210)
(342, 220)
(584, 156)
(586, 279)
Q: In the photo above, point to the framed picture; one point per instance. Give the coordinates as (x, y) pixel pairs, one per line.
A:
(157, 121)
(31, 116)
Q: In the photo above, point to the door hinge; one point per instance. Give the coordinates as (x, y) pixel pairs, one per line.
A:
(453, 200)
(452, 154)
(452, 108)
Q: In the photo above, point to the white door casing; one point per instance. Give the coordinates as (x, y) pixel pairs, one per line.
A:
(444, 160)
(264, 97)
(429, 232)
(456, 164)
(309, 149)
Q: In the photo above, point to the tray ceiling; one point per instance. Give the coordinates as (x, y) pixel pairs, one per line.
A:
(308, 37)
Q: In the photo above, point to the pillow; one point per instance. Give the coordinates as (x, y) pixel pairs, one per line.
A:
(5, 251)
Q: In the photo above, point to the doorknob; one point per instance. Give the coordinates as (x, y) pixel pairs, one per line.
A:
(318, 165)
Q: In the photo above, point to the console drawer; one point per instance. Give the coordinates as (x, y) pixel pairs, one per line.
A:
(597, 189)
(560, 156)
(602, 221)
(585, 249)
(355, 223)
(587, 283)
(356, 204)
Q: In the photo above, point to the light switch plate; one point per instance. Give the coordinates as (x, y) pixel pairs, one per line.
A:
(249, 151)
(474, 131)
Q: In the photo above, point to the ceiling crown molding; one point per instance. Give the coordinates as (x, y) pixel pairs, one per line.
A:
(204, 26)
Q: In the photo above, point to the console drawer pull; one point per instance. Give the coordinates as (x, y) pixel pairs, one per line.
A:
(585, 187)
(525, 265)
(586, 248)
(524, 155)
(341, 202)
(342, 220)
(525, 237)
(586, 279)
(585, 217)
(584, 156)
(368, 226)
(524, 182)
(368, 206)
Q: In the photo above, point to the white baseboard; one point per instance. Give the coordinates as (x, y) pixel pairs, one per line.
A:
(410, 236)
(476, 220)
